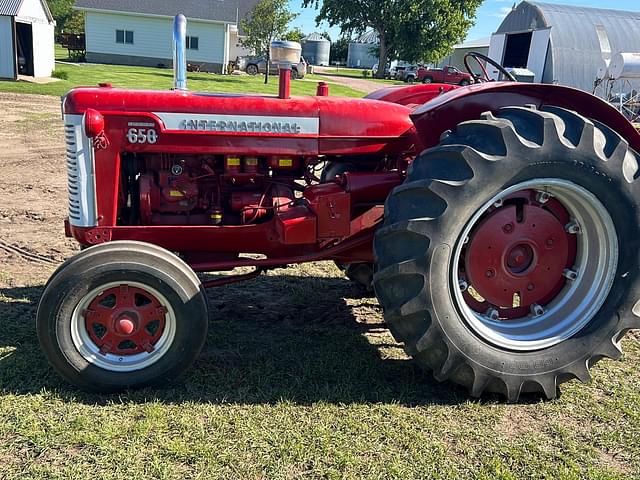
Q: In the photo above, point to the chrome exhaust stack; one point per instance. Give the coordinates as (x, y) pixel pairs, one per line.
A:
(180, 53)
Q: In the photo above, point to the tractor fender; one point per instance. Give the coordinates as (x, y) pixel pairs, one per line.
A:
(447, 110)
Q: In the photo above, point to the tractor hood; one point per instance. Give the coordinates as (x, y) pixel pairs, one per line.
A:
(328, 125)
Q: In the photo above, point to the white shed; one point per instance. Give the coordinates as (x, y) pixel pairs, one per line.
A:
(26, 39)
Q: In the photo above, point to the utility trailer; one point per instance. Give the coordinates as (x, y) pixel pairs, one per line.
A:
(498, 223)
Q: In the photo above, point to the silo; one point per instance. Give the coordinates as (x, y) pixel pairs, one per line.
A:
(316, 49)
(360, 51)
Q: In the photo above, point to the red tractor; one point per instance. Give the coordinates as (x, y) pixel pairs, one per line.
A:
(498, 223)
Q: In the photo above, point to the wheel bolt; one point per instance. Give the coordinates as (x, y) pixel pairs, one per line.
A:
(550, 242)
(570, 274)
(508, 228)
(542, 197)
(536, 310)
(530, 287)
(572, 227)
(490, 273)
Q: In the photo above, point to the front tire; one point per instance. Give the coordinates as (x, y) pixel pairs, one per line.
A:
(252, 69)
(508, 261)
(122, 314)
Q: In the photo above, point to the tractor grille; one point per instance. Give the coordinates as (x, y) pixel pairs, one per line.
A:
(72, 172)
(80, 174)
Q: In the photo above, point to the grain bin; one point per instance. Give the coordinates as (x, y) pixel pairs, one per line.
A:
(316, 49)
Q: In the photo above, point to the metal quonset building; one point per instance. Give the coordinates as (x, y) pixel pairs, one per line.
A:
(316, 49)
(26, 39)
(563, 44)
(359, 54)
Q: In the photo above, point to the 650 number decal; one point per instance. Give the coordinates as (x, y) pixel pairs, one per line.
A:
(142, 135)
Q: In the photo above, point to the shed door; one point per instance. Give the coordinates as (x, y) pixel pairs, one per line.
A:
(496, 52)
(538, 52)
(7, 55)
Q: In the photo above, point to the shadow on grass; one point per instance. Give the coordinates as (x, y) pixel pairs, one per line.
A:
(276, 338)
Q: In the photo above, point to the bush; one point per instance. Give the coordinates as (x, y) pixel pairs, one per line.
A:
(365, 73)
(61, 74)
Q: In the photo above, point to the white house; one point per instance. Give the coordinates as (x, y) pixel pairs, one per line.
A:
(128, 32)
(26, 39)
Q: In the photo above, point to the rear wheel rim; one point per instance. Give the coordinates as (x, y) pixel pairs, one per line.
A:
(123, 326)
(567, 303)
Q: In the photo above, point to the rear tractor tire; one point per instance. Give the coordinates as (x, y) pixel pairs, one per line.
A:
(508, 261)
(122, 315)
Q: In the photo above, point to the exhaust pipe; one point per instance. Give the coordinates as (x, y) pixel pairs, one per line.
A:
(180, 53)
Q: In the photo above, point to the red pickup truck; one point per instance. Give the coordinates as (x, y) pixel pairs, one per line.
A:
(438, 75)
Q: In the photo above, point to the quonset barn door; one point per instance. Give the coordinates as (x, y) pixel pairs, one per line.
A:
(538, 52)
(496, 52)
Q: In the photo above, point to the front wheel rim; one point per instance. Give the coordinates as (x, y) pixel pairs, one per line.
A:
(571, 301)
(123, 326)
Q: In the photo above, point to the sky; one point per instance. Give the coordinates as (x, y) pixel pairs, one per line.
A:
(489, 15)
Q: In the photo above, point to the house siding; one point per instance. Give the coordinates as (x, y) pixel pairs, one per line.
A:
(152, 40)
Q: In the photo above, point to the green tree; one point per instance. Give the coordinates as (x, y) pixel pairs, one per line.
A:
(339, 50)
(411, 29)
(267, 21)
(295, 35)
(67, 19)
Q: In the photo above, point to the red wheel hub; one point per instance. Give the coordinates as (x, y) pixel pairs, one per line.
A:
(516, 255)
(125, 320)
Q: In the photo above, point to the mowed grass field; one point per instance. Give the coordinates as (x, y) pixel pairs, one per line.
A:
(83, 74)
(299, 379)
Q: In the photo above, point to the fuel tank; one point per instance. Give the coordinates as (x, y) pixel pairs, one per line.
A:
(253, 124)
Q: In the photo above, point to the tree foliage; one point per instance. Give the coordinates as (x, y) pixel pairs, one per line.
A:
(339, 50)
(414, 30)
(267, 21)
(295, 35)
(67, 19)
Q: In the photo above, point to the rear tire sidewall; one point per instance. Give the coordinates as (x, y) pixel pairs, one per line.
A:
(602, 327)
(427, 80)
(252, 70)
(70, 286)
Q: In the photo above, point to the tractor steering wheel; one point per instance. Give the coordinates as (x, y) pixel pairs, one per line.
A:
(485, 76)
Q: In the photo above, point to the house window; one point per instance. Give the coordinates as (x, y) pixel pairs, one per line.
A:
(124, 36)
(192, 43)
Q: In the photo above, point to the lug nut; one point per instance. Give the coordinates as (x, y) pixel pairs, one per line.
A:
(530, 287)
(572, 227)
(536, 310)
(550, 242)
(490, 273)
(508, 228)
(542, 197)
(570, 274)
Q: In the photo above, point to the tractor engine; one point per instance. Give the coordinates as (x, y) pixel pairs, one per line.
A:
(171, 189)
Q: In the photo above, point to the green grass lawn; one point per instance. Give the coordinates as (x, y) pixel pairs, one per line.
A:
(82, 74)
(299, 379)
(357, 73)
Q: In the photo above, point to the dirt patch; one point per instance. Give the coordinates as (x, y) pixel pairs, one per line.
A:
(34, 195)
(517, 421)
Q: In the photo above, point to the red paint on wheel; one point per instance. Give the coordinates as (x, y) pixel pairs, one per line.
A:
(518, 250)
(125, 320)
